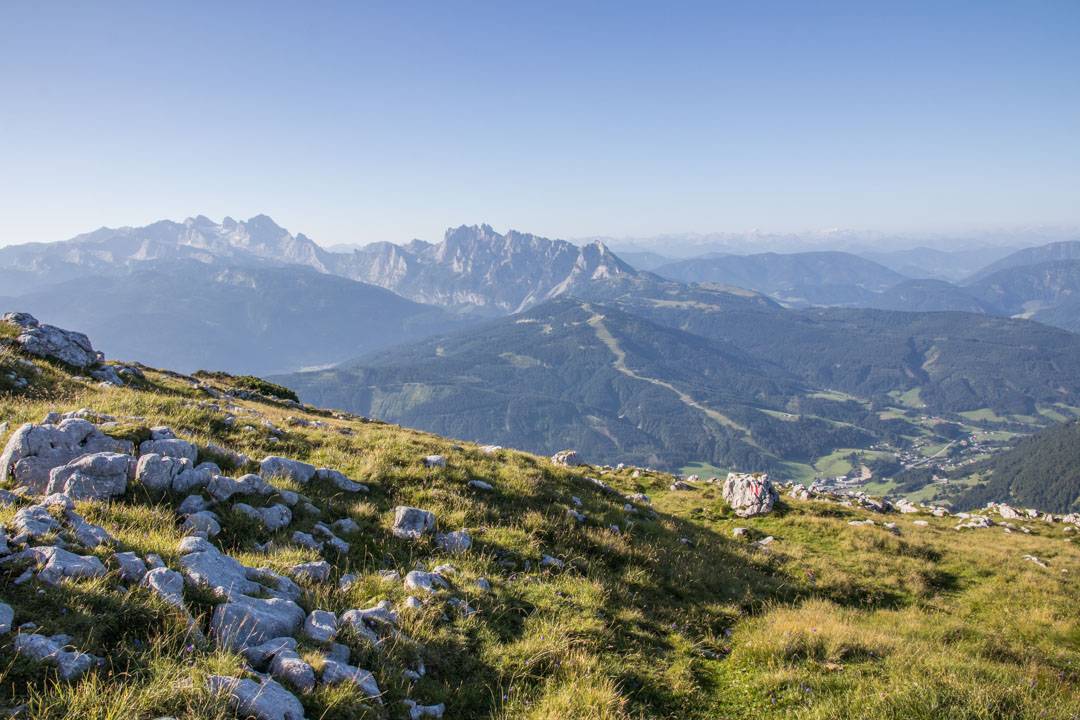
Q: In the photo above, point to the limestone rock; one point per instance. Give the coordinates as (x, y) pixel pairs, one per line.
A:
(223, 488)
(259, 655)
(55, 564)
(170, 447)
(132, 568)
(33, 451)
(244, 621)
(157, 472)
(568, 458)
(274, 466)
(318, 572)
(428, 582)
(98, 476)
(263, 701)
(412, 523)
(321, 626)
(86, 533)
(335, 672)
(273, 518)
(7, 616)
(749, 494)
(347, 526)
(434, 461)
(455, 542)
(35, 521)
(70, 664)
(168, 585)
(47, 341)
(338, 480)
(205, 523)
(418, 712)
(290, 668)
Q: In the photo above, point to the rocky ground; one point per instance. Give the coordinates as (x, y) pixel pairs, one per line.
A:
(206, 547)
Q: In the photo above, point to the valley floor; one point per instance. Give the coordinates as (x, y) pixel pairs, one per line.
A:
(658, 611)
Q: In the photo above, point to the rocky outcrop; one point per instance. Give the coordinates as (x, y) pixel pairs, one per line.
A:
(53, 343)
(33, 451)
(566, 458)
(98, 476)
(749, 494)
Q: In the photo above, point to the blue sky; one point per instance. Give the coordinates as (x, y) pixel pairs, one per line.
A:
(356, 122)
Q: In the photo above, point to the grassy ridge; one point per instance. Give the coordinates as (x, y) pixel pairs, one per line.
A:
(670, 617)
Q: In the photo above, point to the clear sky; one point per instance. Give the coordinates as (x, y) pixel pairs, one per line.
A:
(362, 121)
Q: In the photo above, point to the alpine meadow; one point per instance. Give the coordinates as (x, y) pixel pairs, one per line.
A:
(488, 361)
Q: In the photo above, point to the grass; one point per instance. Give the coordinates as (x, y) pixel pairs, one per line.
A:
(669, 617)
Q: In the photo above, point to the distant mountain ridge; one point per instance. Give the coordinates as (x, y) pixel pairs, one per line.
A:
(1064, 250)
(258, 240)
(476, 268)
(796, 279)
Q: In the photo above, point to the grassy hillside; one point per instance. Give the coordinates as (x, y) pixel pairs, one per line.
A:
(670, 616)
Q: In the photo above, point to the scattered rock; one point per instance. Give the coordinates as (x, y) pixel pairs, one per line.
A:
(347, 526)
(339, 481)
(50, 342)
(168, 585)
(335, 672)
(263, 701)
(7, 616)
(204, 523)
(455, 542)
(435, 461)
(259, 655)
(246, 621)
(318, 571)
(170, 447)
(132, 568)
(97, 476)
(273, 518)
(70, 664)
(567, 458)
(749, 494)
(418, 712)
(412, 523)
(290, 668)
(275, 466)
(481, 485)
(321, 626)
(428, 582)
(33, 451)
(222, 488)
(54, 564)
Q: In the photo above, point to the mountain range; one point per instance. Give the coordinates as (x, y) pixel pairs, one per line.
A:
(768, 361)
